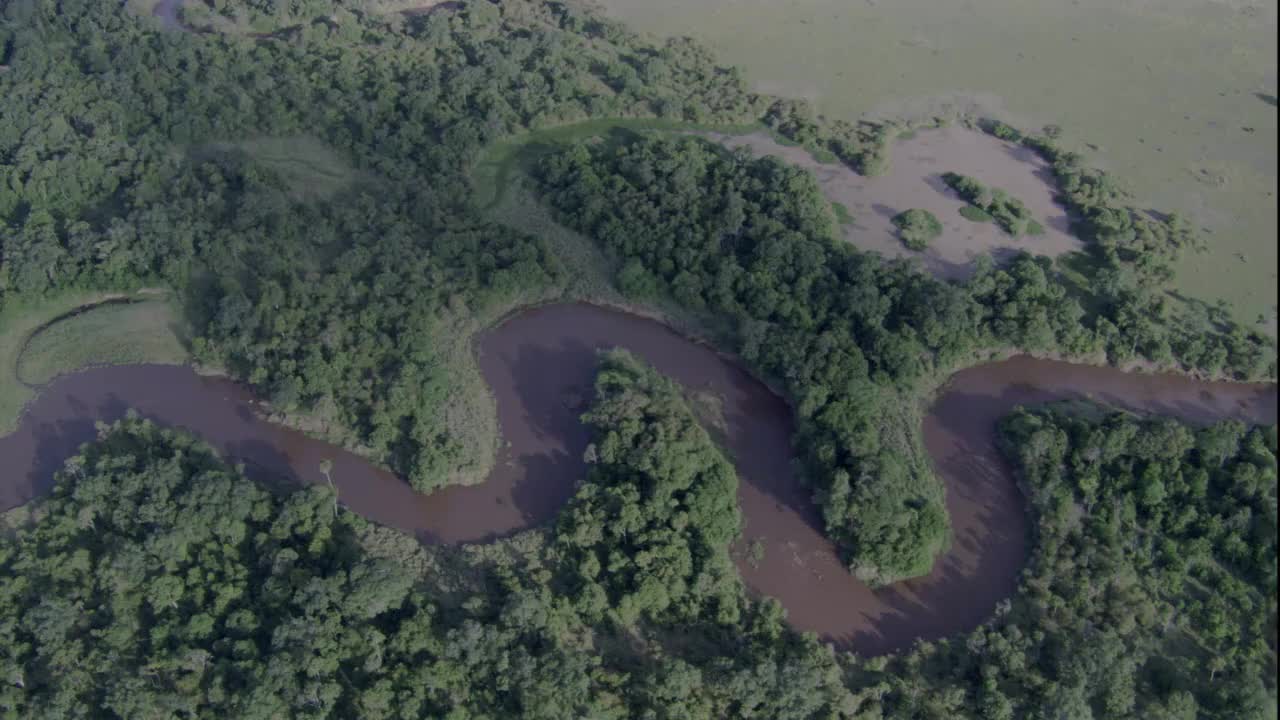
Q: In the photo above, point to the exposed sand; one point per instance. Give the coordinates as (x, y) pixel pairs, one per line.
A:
(914, 181)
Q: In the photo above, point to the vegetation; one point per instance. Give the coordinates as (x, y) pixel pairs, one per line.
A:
(751, 239)
(843, 216)
(848, 335)
(308, 197)
(116, 333)
(995, 204)
(308, 170)
(500, 162)
(658, 510)
(159, 581)
(156, 580)
(915, 60)
(1133, 253)
(1153, 580)
(917, 228)
(863, 146)
(1131, 256)
(339, 301)
(973, 213)
(21, 319)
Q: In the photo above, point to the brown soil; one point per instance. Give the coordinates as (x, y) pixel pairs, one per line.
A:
(540, 366)
(914, 180)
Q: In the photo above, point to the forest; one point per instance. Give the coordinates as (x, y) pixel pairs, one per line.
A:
(158, 581)
(307, 196)
(114, 175)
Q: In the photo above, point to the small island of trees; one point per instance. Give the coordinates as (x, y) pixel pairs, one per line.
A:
(917, 228)
(993, 205)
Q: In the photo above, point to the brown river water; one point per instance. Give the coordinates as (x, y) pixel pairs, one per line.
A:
(540, 366)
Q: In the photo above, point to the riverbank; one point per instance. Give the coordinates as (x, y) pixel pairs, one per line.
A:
(538, 367)
(75, 330)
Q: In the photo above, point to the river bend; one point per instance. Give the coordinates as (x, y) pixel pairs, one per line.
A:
(540, 366)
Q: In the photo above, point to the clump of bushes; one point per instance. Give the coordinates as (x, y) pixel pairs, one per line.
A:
(917, 228)
(992, 204)
(973, 213)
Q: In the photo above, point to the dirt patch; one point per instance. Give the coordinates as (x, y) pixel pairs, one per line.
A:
(914, 180)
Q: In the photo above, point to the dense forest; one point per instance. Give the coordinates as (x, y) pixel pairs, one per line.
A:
(845, 332)
(130, 156)
(159, 582)
(306, 194)
(340, 288)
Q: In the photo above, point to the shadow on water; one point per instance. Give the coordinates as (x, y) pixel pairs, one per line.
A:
(540, 367)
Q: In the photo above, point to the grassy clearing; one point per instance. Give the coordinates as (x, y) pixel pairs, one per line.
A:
(116, 334)
(17, 322)
(310, 169)
(91, 338)
(1198, 136)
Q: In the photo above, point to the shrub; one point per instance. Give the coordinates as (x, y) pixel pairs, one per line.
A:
(917, 228)
(975, 214)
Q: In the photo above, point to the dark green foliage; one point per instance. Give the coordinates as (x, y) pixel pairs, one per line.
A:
(1024, 306)
(159, 582)
(649, 531)
(751, 239)
(1154, 574)
(1150, 592)
(863, 146)
(917, 228)
(115, 171)
(990, 204)
(973, 213)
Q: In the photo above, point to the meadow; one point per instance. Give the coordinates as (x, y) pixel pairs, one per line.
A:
(1177, 98)
(42, 339)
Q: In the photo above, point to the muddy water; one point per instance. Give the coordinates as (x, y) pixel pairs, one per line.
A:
(914, 180)
(540, 366)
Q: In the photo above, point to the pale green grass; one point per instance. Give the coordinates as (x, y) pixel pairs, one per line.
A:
(1163, 90)
(310, 169)
(87, 339)
(140, 332)
(17, 322)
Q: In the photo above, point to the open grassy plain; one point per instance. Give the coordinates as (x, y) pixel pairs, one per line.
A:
(1175, 97)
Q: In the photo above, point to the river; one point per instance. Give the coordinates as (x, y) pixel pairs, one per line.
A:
(540, 365)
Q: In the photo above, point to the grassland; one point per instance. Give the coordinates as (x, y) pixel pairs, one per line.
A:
(41, 340)
(309, 169)
(1197, 135)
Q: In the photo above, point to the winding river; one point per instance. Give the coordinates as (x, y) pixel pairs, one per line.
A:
(540, 366)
